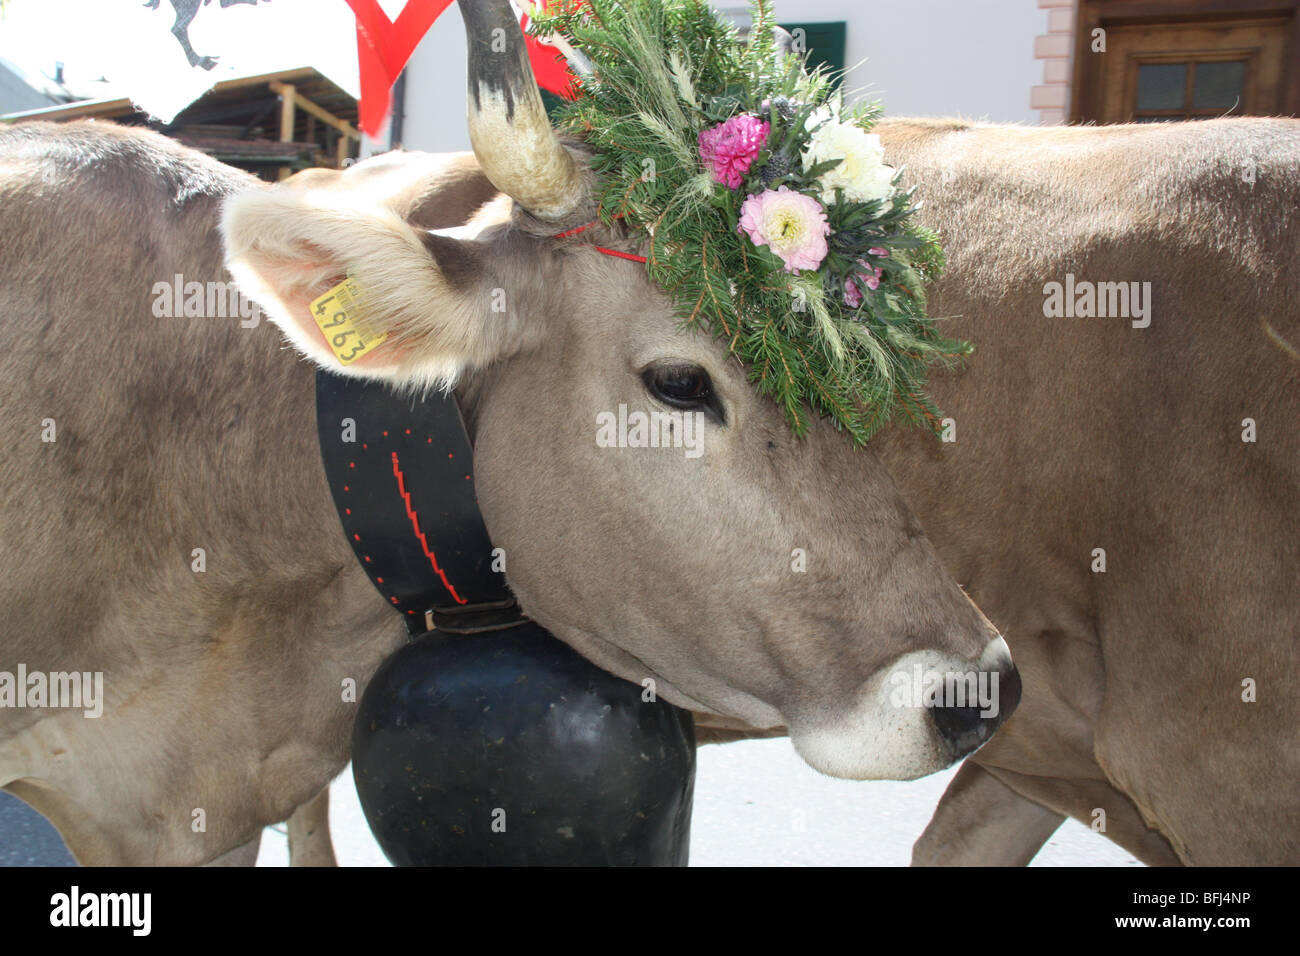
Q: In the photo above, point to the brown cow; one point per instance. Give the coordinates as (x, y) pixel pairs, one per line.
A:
(1072, 448)
(1123, 433)
(1076, 434)
(167, 524)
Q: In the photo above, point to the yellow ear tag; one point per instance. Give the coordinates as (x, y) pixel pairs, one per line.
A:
(341, 317)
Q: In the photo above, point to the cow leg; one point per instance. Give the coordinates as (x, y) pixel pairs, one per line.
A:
(245, 855)
(309, 833)
(980, 821)
(1082, 797)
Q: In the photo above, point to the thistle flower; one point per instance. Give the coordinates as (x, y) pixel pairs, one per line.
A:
(776, 167)
(791, 224)
(784, 108)
(729, 149)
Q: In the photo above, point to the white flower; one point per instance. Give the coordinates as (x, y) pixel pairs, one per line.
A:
(820, 115)
(863, 176)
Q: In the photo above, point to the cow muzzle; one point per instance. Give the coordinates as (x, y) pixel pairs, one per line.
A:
(968, 712)
(913, 717)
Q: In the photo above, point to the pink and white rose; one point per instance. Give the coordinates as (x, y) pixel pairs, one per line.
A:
(791, 224)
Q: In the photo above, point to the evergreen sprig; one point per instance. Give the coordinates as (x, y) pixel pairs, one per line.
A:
(662, 71)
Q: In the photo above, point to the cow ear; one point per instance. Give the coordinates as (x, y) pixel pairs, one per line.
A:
(413, 308)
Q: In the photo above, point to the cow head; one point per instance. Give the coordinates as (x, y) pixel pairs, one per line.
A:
(748, 573)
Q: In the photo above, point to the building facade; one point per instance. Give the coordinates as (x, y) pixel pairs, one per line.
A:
(970, 58)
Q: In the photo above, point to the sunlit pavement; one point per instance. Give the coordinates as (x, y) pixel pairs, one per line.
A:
(756, 804)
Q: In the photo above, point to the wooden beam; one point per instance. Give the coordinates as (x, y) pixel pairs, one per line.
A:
(1290, 92)
(288, 91)
(287, 99)
(1174, 10)
(1085, 80)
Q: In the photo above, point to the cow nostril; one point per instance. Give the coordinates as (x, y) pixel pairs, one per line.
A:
(962, 727)
(965, 727)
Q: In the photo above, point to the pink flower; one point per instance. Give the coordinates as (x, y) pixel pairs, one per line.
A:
(871, 279)
(728, 149)
(791, 224)
(852, 297)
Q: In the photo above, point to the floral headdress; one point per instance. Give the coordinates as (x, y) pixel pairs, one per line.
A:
(764, 204)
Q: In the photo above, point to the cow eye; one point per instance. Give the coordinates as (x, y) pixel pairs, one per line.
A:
(684, 386)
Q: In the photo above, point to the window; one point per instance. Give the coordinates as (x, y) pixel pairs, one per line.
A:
(1188, 88)
(1202, 65)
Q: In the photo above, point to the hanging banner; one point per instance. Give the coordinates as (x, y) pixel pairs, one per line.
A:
(165, 54)
(385, 46)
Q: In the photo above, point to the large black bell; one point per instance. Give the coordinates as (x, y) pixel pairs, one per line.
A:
(509, 749)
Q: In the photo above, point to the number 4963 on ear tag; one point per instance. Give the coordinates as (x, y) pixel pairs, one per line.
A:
(340, 316)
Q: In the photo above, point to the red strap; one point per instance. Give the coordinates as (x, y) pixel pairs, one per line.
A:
(574, 231)
(621, 255)
(609, 252)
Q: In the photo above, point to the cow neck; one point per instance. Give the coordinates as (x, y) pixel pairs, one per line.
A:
(400, 469)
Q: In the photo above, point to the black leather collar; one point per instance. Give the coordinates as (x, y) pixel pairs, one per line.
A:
(404, 489)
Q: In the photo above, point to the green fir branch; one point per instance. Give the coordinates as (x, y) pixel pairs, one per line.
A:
(663, 71)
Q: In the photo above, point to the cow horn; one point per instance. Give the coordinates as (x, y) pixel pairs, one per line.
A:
(508, 126)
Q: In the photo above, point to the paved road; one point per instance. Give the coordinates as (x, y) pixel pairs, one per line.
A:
(756, 804)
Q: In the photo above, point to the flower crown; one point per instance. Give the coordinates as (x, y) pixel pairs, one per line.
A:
(764, 204)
